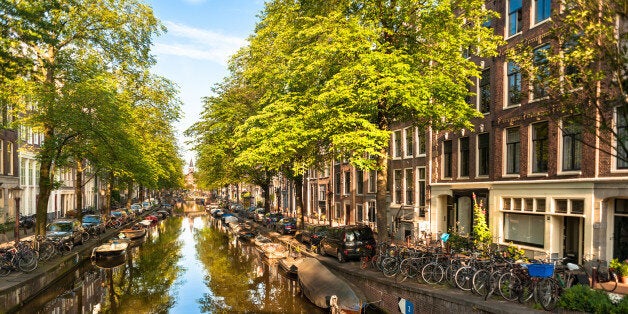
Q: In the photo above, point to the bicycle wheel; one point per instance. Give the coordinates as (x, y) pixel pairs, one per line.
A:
(390, 266)
(480, 280)
(46, 251)
(464, 277)
(450, 274)
(432, 273)
(607, 281)
(407, 269)
(376, 262)
(27, 262)
(546, 293)
(509, 286)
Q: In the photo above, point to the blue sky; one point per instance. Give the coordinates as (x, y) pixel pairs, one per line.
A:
(201, 36)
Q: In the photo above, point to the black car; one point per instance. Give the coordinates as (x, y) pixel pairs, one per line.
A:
(348, 242)
(94, 221)
(271, 218)
(312, 235)
(286, 225)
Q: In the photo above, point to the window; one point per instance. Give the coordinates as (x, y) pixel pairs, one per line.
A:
(483, 154)
(422, 189)
(569, 206)
(572, 145)
(542, 71)
(359, 178)
(22, 173)
(322, 192)
(397, 143)
(512, 151)
(540, 148)
(409, 187)
(372, 211)
(10, 156)
(337, 182)
(398, 181)
(514, 84)
(464, 156)
(409, 143)
(347, 183)
(514, 17)
(485, 91)
(1, 157)
(542, 10)
(447, 161)
(360, 212)
(422, 142)
(372, 181)
(622, 137)
(527, 229)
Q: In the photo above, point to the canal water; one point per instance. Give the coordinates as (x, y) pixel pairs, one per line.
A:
(183, 266)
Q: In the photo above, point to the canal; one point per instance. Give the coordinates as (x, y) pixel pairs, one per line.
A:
(183, 266)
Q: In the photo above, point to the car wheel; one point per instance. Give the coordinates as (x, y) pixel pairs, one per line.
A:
(341, 257)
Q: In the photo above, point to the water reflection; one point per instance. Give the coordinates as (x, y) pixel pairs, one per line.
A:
(184, 266)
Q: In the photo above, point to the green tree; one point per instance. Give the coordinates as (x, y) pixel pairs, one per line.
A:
(482, 236)
(330, 78)
(55, 35)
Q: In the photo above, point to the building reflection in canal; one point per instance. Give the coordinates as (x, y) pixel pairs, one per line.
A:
(184, 266)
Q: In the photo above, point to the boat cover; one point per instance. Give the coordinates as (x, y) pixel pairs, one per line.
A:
(318, 284)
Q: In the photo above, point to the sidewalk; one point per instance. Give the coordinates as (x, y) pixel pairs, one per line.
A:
(7, 239)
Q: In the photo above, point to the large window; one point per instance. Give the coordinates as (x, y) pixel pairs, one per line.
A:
(397, 144)
(337, 182)
(485, 91)
(514, 84)
(483, 154)
(572, 145)
(409, 187)
(622, 137)
(542, 71)
(347, 183)
(447, 161)
(372, 209)
(359, 212)
(322, 192)
(10, 156)
(372, 181)
(421, 145)
(359, 181)
(398, 181)
(512, 150)
(543, 10)
(409, 142)
(540, 148)
(514, 17)
(527, 229)
(463, 146)
(422, 190)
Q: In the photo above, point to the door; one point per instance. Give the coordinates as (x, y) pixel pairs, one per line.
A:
(620, 230)
(572, 238)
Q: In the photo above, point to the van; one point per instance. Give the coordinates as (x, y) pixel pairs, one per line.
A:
(348, 242)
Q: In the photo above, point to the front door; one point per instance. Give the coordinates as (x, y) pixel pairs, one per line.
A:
(620, 235)
(572, 238)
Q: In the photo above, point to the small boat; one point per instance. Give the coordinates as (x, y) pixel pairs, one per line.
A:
(137, 231)
(290, 265)
(325, 289)
(261, 239)
(110, 262)
(273, 250)
(110, 249)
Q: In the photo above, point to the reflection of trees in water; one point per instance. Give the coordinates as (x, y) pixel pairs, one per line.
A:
(145, 280)
(240, 281)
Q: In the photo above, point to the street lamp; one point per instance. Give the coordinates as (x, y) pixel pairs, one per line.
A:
(16, 194)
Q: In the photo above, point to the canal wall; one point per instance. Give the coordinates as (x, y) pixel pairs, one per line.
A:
(17, 287)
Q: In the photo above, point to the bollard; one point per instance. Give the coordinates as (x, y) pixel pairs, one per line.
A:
(593, 277)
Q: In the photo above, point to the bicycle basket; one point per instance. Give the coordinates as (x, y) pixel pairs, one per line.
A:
(541, 270)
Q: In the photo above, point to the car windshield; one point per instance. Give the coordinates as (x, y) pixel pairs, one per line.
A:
(91, 219)
(64, 227)
(360, 234)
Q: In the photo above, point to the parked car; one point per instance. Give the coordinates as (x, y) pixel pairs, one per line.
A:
(286, 226)
(122, 215)
(69, 230)
(348, 242)
(271, 218)
(312, 235)
(146, 205)
(94, 221)
(137, 208)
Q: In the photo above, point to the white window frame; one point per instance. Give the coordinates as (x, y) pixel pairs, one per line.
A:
(533, 14)
(405, 186)
(460, 175)
(407, 154)
(398, 199)
(10, 152)
(397, 137)
(507, 15)
(615, 145)
(477, 155)
(1, 156)
(421, 147)
(505, 172)
(531, 151)
(421, 197)
(451, 162)
(507, 104)
(561, 150)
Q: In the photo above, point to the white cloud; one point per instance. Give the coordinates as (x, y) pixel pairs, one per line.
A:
(201, 44)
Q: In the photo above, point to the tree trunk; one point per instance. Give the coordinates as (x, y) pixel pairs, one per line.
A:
(45, 184)
(298, 187)
(78, 189)
(129, 188)
(380, 199)
(108, 194)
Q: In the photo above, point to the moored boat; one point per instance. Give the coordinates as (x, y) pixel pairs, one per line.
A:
(110, 262)
(321, 286)
(273, 250)
(110, 249)
(137, 231)
(290, 265)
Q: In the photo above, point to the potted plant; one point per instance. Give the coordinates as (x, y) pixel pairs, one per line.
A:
(620, 268)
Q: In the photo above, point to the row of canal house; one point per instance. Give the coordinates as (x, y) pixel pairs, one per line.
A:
(542, 189)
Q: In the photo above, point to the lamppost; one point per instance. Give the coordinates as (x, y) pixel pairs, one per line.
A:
(16, 194)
